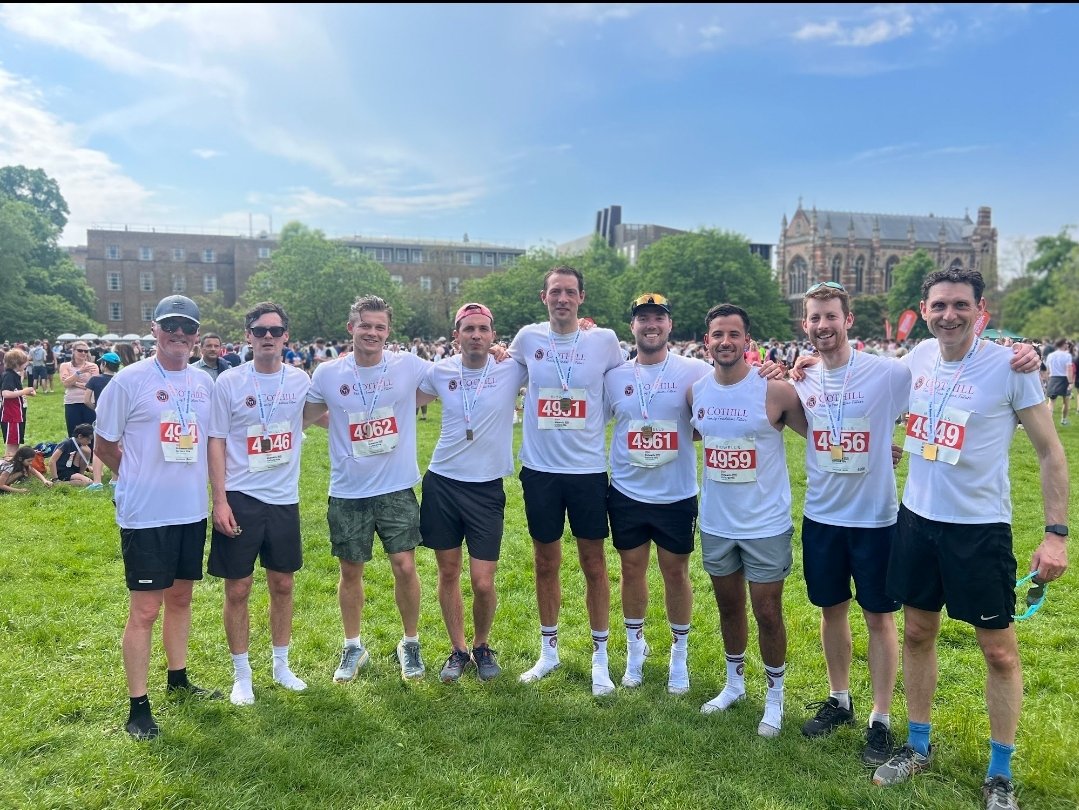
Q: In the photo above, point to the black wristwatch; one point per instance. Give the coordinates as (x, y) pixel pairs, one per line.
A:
(1057, 528)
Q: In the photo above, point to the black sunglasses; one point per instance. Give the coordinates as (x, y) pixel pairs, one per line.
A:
(260, 331)
(170, 325)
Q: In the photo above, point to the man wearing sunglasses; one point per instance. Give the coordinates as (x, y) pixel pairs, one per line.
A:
(953, 544)
(150, 423)
(851, 400)
(564, 467)
(256, 430)
(653, 492)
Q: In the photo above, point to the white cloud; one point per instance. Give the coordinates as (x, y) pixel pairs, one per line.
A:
(207, 154)
(890, 23)
(598, 13)
(96, 189)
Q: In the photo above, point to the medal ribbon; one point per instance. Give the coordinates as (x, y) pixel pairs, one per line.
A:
(264, 418)
(655, 385)
(182, 412)
(563, 378)
(464, 394)
(378, 386)
(835, 418)
(933, 413)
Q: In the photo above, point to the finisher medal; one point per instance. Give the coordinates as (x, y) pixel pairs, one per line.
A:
(566, 403)
(837, 452)
(929, 452)
(265, 445)
(186, 441)
(646, 431)
(469, 435)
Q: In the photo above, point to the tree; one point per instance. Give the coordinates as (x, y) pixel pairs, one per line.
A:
(316, 280)
(906, 291)
(696, 271)
(34, 187)
(1060, 317)
(1033, 290)
(228, 322)
(870, 313)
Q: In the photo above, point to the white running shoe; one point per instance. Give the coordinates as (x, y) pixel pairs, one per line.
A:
(602, 685)
(724, 700)
(541, 669)
(772, 721)
(242, 693)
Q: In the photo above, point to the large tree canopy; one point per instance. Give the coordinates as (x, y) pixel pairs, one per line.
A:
(906, 291)
(316, 280)
(37, 189)
(696, 271)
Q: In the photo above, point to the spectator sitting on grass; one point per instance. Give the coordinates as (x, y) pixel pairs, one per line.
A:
(72, 459)
(17, 468)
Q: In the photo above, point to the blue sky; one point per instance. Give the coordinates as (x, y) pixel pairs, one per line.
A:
(516, 123)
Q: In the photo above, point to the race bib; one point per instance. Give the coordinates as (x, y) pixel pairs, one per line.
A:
(947, 442)
(854, 444)
(266, 452)
(373, 435)
(178, 445)
(559, 410)
(652, 443)
(730, 461)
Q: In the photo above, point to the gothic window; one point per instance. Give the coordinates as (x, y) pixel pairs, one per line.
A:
(859, 274)
(837, 268)
(889, 270)
(797, 276)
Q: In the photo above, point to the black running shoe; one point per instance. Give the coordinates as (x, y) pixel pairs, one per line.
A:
(879, 744)
(830, 716)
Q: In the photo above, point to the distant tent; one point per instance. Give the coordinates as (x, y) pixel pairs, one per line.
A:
(131, 336)
(67, 336)
(110, 336)
(88, 336)
(994, 334)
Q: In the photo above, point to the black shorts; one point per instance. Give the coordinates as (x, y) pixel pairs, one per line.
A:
(270, 533)
(673, 526)
(452, 511)
(64, 472)
(550, 496)
(834, 555)
(154, 558)
(968, 568)
(1057, 387)
(14, 432)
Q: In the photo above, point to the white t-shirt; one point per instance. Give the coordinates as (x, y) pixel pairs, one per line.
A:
(372, 423)
(657, 465)
(140, 408)
(489, 454)
(860, 489)
(1058, 363)
(570, 439)
(269, 473)
(745, 489)
(975, 431)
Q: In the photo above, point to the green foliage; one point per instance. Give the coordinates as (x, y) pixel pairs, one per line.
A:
(696, 271)
(316, 280)
(870, 313)
(906, 292)
(1037, 301)
(228, 322)
(1060, 316)
(34, 187)
(38, 301)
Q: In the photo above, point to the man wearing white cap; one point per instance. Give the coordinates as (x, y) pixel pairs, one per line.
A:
(150, 422)
(463, 496)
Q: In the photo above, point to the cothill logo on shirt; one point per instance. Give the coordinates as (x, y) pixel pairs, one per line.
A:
(665, 387)
(738, 414)
(286, 398)
(850, 396)
(470, 385)
(368, 388)
(199, 395)
(961, 391)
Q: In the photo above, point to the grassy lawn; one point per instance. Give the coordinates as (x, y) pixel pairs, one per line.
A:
(379, 742)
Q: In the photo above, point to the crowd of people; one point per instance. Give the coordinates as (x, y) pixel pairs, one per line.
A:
(190, 440)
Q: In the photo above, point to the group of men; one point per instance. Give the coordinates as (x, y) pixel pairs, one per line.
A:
(961, 393)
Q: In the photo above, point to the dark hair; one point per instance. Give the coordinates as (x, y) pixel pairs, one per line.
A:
(85, 430)
(564, 270)
(955, 275)
(370, 303)
(20, 462)
(209, 336)
(265, 308)
(722, 311)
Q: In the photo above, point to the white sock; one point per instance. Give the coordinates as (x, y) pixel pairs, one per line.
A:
(601, 676)
(282, 673)
(772, 721)
(353, 642)
(548, 659)
(636, 651)
(842, 698)
(241, 667)
(774, 676)
(634, 630)
(242, 692)
(678, 676)
(877, 717)
(407, 639)
(680, 634)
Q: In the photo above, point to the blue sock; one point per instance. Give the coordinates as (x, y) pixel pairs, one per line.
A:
(918, 737)
(1000, 759)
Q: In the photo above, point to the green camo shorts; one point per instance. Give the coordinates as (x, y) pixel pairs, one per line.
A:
(354, 521)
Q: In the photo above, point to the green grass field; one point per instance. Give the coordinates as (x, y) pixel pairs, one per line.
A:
(380, 742)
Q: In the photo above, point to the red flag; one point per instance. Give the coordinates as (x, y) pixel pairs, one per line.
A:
(887, 329)
(907, 319)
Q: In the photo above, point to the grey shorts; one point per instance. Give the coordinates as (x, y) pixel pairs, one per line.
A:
(354, 521)
(764, 559)
(1057, 387)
